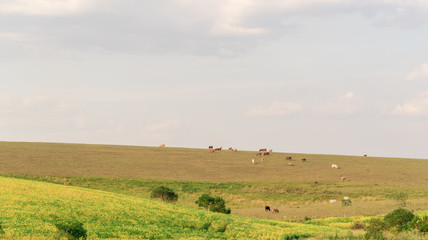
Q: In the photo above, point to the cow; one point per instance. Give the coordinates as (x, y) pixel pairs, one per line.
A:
(290, 164)
(265, 153)
(210, 147)
(211, 150)
(258, 154)
(162, 146)
(316, 182)
(346, 198)
(333, 201)
(253, 161)
(365, 155)
(267, 208)
(270, 150)
(288, 158)
(303, 159)
(275, 210)
(230, 149)
(343, 179)
(218, 149)
(234, 150)
(262, 150)
(334, 166)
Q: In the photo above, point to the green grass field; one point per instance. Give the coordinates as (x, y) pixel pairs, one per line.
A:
(133, 172)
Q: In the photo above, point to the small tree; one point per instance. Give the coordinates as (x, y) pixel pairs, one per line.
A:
(165, 194)
(72, 229)
(346, 203)
(399, 219)
(214, 204)
(400, 198)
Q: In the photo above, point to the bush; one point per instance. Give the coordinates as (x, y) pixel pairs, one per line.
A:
(72, 229)
(214, 204)
(165, 194)
(375, 228)
(399, 219)
(358, 225)
(1, 229)
(400, 198)
(420, 224)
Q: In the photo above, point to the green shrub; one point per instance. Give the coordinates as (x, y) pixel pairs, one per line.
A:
(1, 229)
(400, 198)
(399, 219)
(375, 228)
(214, 204)
(420, 224)
(164, 193)
(72, 229)
(295, 236)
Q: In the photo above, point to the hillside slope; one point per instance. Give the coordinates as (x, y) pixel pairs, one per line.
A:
(29, 209)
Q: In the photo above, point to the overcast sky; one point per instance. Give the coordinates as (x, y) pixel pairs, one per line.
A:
(310, 76)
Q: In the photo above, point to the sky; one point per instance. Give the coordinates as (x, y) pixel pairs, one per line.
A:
(304, 76)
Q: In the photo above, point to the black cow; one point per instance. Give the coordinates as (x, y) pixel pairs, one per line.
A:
(267, 208)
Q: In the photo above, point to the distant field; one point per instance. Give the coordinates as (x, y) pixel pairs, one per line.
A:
(199, 165)
(247, 188)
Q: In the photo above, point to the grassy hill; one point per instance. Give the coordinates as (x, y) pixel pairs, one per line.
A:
(30, 209)
(247, 188)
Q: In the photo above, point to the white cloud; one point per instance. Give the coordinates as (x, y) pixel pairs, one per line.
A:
(163, 126)
(275, 109)
(348, 103)
(416, 106)
(44, 7)
(420, 73)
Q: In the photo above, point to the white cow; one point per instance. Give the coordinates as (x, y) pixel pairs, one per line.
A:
(333, 201)
(253, 161)
(346, 198)
(334, 166)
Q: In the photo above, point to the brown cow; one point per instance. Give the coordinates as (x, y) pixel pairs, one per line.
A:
(266, 153)
(288, 158)
(210, 147)
(270, 150)
(211, 150)
(316, 182)
(218, 149)
(258, 154)
(230, 149)
(275, 210)
(303, 159)
(234, 150)
(262, 150)
(162, 146)
(343, 179)
(365, 155)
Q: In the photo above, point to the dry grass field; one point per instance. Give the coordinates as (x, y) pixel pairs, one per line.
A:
(246, 187)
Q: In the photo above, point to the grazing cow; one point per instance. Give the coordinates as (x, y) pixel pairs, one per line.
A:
(258, 154)
(346, 198)
(210, 147)
(333, 201)
(253, 161)
(162, 146)
(334, 166)
(218, 149)
(230, 149)
(267, 208)
(262, 150)
(303, 159)
(275, 210)
(234, 150)
(365, 155)
(288, 158)
(265, 153)
(262, 159)
(211, 150)
(290, 164)
(316, 182)
(270, 150)
(343, 179)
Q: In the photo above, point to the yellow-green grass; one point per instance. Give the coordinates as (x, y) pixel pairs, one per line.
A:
(30, 209)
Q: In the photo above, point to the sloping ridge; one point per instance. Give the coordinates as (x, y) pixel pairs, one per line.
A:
(29, 209)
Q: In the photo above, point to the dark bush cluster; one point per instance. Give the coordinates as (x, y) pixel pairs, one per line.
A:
(165, 194)
(397, 221)
(214, 204)
(72, 229)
